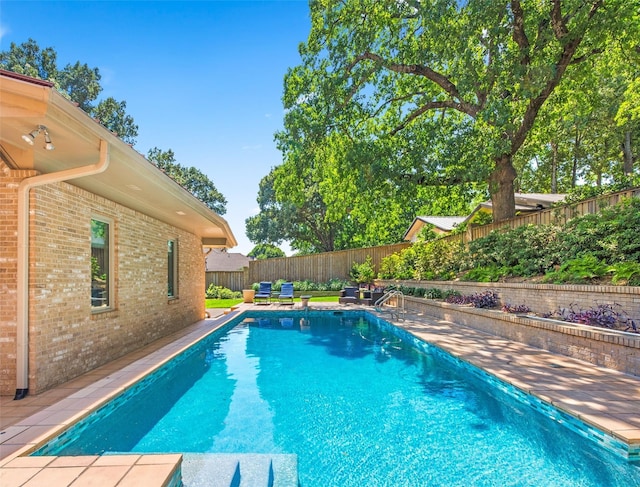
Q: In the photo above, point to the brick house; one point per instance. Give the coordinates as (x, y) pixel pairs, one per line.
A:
(101, 252)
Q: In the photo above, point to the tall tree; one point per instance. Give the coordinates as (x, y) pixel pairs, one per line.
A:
(81, 83)
(113, 115)
(190, 178)
(28, 59)
(78, 82)
(482, 70)
(266, 251)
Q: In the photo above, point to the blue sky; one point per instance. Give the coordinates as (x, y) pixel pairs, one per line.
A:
(202, 78)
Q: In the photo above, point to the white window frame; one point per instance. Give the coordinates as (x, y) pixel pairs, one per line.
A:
(110, 265)
(172, 269)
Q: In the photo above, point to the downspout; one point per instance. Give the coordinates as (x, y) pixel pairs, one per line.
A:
(22, 285)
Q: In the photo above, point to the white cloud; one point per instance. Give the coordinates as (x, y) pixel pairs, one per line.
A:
(252, 147)
(3, 31)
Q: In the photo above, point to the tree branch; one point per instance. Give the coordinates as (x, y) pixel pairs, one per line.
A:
(423, 71)
(557, 22)
(586, 56)
(519, 34)
(432, 105)
(560, 67)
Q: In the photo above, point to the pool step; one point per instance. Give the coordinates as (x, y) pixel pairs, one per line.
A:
(239, 470)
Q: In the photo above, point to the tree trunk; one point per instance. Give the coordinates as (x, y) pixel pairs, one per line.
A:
(628, 154)
(554, 167)
(501, 188)
(574, 170)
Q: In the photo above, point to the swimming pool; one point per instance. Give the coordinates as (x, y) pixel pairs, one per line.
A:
(355, 402)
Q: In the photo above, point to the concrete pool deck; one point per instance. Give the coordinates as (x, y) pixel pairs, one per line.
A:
(604, 398)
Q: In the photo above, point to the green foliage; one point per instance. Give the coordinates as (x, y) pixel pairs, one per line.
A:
(391, 267)
(436, 259)
(426, 234)
(337, 284)
(113, 116)
(363, 272)
(382, 100)
(611, 235)
(585, 248)
(96, 271)
(266, 251)
(578, 270)
(492, 273)
(526, 251)
(190, 178)
(219, 292)
(482, 218)
(625, 273)
(439, 259)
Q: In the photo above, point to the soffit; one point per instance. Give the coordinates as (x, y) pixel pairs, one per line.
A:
(130, 179)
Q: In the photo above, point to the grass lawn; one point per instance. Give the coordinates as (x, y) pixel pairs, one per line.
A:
(227, 303)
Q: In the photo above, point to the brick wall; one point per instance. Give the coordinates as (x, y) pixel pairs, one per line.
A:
(618, 351)
(9, 181)
(66, 337)
(543, 298)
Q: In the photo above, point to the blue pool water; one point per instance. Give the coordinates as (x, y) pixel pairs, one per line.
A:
(359, 407)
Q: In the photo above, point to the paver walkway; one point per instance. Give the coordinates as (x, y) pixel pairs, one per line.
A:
(607, 399)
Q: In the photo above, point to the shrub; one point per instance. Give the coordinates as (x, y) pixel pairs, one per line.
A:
(434, 293)
(390, 267)
(626, 273)
(450, 292)
(419, 292)
(363, 273)
(525, 251)
(611, 235)
(486, 299)
(219, 292)
(578, 270)
(441, 258)
(520, 308)
(493, 273)
(603, 316)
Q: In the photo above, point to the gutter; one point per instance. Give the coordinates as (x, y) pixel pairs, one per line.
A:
(22, 319)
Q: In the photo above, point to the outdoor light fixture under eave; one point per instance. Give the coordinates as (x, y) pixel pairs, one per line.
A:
(31, 137)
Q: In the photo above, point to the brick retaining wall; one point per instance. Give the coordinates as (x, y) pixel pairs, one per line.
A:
(543, 298)
(614, 350)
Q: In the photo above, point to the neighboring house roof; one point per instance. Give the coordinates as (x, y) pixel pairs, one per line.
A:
(529, 201)
(217, 260)
(442, 223)
(525, 202)
(129, 179)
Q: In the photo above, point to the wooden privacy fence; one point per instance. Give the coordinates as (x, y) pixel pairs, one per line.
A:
(337, 265)
(315, 267)
(559, 214)
(234, 280)
(318, 267)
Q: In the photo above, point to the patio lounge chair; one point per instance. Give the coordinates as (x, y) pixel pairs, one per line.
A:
(264, 293)
(349, 295)
(286, 293)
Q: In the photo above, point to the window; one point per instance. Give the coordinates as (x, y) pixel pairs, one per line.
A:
(100, 275)
(172, 268)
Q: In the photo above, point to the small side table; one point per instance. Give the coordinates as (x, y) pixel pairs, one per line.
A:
(305, 300)
(247, 295)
